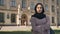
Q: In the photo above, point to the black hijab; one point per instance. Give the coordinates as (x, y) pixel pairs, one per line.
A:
(39, 15)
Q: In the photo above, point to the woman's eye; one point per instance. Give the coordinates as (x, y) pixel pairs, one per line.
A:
(38, 7)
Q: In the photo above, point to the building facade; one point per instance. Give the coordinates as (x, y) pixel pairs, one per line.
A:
(9, 11)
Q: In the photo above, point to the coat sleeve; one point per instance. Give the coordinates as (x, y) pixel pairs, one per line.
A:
(33, 24)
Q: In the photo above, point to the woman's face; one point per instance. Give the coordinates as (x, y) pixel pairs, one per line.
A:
(39, 8)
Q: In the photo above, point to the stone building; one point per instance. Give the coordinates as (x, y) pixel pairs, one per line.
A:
(9, 11)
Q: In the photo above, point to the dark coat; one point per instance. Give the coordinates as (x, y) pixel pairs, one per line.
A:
(40, 26)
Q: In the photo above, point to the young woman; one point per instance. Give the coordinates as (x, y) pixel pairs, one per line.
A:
(39, 21)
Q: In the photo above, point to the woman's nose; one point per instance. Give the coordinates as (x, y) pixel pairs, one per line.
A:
(39, 9)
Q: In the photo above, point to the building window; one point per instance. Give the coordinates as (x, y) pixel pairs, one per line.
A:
(2, 17)
(13, 18)
(46, 7)
(45, 1)
(23, 3)
(38, 1)
(53, 19)
(13, 3)
(53, 8)
(1, 2)
(32, 6)
(58, 2)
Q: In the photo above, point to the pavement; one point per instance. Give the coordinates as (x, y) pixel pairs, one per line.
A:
(15, 28)
(22, 28)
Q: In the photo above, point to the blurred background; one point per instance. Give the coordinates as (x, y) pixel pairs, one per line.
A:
(15, 14)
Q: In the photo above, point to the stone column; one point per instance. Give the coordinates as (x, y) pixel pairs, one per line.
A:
(7, 20)
(56, 14)
(18, 15)
(50, 11)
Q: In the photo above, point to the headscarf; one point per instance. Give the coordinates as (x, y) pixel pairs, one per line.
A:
(39, 15)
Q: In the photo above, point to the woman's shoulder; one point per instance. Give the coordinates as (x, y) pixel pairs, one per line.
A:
(33, 18)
